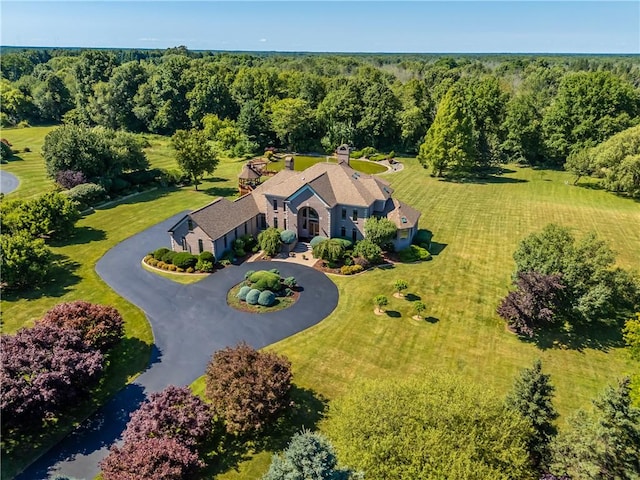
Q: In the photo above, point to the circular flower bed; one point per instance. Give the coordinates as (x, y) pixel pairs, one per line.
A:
(263, 291)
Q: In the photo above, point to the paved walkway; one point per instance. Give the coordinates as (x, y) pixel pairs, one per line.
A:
(189, 323)
(8, 182)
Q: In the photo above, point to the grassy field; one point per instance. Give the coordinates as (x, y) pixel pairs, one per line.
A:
(476, 227)
(303, 162)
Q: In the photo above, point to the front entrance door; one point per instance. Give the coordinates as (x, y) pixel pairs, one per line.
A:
(314, 228)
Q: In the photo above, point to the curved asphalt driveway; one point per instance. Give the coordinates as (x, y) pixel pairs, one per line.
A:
(189, 322)
(8, 182)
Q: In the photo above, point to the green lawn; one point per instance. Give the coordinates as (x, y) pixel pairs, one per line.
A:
(303, 162)
(477, 227)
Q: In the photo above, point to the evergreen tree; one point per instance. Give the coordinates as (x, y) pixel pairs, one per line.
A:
(309, 456)
(531, 397)
(603, 444)
(449, 143)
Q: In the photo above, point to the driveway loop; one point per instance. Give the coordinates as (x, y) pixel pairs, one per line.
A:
(190, 323)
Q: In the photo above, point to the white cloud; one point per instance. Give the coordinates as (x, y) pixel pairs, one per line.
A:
(263, 40)
(148, 39)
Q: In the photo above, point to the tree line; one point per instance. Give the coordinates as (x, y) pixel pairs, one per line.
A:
(459, 113)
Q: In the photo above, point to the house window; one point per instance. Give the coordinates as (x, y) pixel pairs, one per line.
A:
(285, 223)
(284, 207)
(225, 241)
(354, 235)
(245, 228)
(263, 221)
(275, 204)
(344, 213)
(235, 233)
(275, 222)
(355, 215)
(184, 243)
(200, 246)
(403, 234)
(190, 224)
(343, 232)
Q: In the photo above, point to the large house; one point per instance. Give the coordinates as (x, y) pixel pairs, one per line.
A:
(328, 199)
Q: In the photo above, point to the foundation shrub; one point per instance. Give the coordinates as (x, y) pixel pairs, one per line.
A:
(266, 298)
(184, 260)
(242, 293)
(159, 253)
(351, 269)
(252, 296)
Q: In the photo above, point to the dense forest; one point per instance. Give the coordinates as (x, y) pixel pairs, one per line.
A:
(459, 114)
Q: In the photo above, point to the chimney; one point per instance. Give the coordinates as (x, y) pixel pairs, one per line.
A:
(342, 152)
(288, 163)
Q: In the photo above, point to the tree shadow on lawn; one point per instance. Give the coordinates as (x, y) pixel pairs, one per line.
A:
(220, 191)
(309, 407)
(393, 313)
(60, 278)
(142, 197)
(597, 336)
(489, 175)
(81, 236)
(412, 297)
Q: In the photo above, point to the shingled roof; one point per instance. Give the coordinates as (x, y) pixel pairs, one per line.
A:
(334, 183)
(221, 216)
(401, 214)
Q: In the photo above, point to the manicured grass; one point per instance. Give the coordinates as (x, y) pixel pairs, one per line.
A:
(76, 279)
(303, 162)
(280, 303)
(477, 227)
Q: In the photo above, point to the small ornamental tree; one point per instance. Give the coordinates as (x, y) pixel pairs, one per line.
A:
(101, 326)
(531, 397)
(380, 301)
(330, 250)
(419, 307)
(194, 155)
(535, 303)
(269, 241)
(309, 456)
(379, 230)
(399, 286)
(44, 369)
(68, 179)
(631, 335)
(25, 261)
(368, 250)
(158, 458)
(174, 413)
(247, 388)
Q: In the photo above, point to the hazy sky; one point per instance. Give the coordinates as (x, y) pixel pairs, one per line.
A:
(331, 26)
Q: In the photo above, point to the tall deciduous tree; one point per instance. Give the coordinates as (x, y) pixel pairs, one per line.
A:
(25, 261)
(158, 458)
(449, 143)
(523, 130)
(309, 456)
(602, 444)
(44, 370)
(435, 427)
(531, 396)
(292, 121)
(589, 108)
(247, 388)
(101, 326)
(194, 155)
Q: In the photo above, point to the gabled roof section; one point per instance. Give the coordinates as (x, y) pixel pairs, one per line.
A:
(222, 216)
(335, 183)
(401, 214)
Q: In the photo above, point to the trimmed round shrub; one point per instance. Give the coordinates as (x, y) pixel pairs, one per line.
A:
(290, 282)
(86, 194)
(159, 253)
(184, 260)
(248, 274)
(414, 253)
(275, 270)
(252, 296)
(264, 280)
(207, 256)
(242, 293)
(316, 240)
(351, 269)
(266, 298)
(288, 292)
(288, 236)
(368, 250)
(168, 256)
(190, 270)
